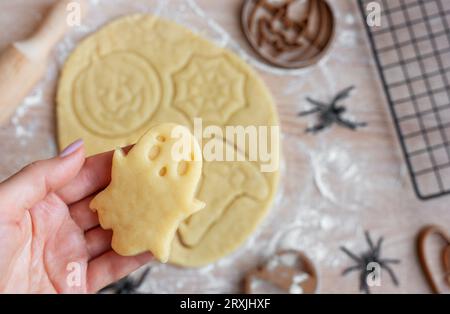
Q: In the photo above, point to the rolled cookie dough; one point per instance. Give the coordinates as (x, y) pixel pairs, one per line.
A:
(139, 71)
(150, 193)
(236, 196)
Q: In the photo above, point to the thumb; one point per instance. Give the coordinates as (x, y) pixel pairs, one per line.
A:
(32, 184)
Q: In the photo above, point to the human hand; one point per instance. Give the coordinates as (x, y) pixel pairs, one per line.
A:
(50, 241)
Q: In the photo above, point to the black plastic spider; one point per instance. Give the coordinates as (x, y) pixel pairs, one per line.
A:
(126, 285)
(370, 256)
(330, 113)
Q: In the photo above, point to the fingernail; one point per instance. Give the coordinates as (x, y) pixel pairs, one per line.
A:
(71, 148)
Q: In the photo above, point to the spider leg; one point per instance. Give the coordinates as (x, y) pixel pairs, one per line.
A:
(380, 241)
(363, 286)
(390, 261)
(141, 279)
(345, 123)
(350, 269)
(343, 94)
(360, 124)
(115, 287)
(378, 247)
(369, 240)
(349, 124)
(351, 255)
(391, 273)
(365, 289)
(308, 112)
(317, 103)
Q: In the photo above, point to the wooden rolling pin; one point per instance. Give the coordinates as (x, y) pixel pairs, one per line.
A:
(23, 63)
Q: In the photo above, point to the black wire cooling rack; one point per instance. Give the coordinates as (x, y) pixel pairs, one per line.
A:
(411, 46)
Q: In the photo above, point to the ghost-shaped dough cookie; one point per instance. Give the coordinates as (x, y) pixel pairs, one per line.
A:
(152, 191)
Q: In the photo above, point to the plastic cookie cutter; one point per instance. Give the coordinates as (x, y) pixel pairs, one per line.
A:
(288, 271)
(288, 33)
(424, 234)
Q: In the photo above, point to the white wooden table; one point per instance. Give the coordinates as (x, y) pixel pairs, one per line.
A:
(334, 186)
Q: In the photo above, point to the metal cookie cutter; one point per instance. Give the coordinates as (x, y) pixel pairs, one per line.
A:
(424, 234)
(288, 271)
(288, 33)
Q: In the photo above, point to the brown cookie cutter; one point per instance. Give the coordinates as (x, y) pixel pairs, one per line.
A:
(424, 234)
(290, 271)
(286, 41)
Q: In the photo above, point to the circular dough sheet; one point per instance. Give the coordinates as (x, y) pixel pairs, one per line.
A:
(140, 71)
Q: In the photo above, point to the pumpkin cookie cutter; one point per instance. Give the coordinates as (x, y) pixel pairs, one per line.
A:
(424, 234)
(286, 41)
(289, 271)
